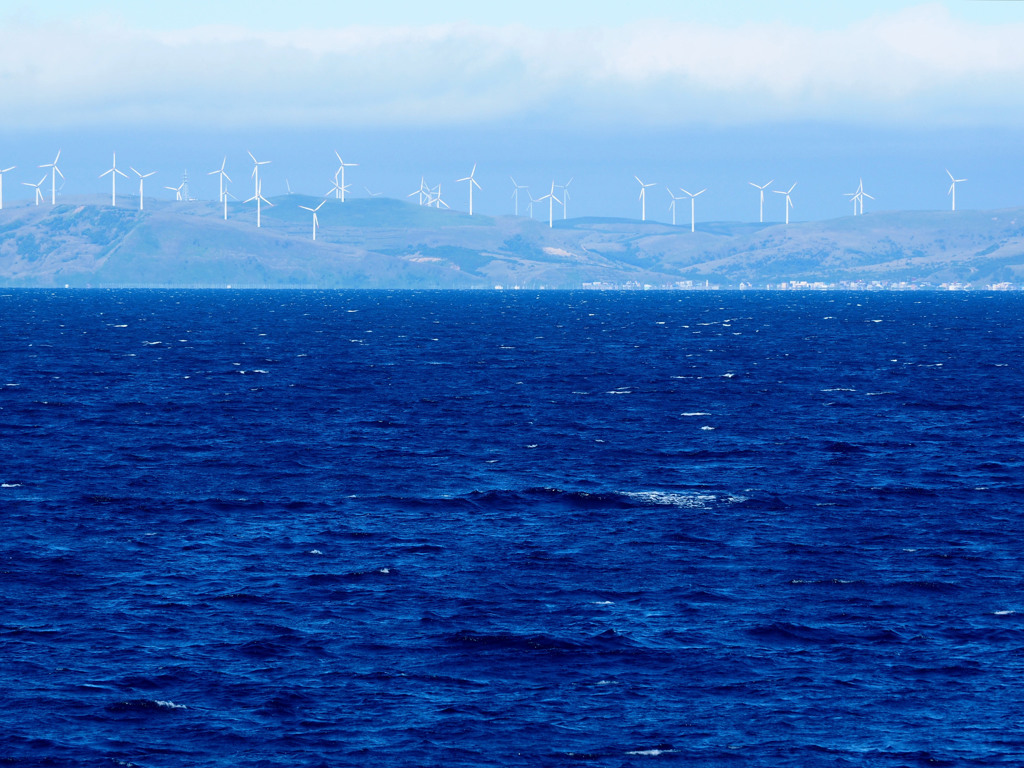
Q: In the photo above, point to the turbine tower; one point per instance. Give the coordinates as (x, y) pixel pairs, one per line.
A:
(789, 203)
(693, 196)
(565, 197)
(643, 198)
(113, 180)
(952, 187)
(2, 172)
(141, 176)
(762, 188)
(316, 221)
(226, 196)
(471, 181)
(53, 182)
(223, 176)
(515, 193)
(339, 192)
(529, 208)
(38, 188)
(672, 205)
(256, 175)
(259, 198)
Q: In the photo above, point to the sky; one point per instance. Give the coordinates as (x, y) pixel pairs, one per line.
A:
(682, 94)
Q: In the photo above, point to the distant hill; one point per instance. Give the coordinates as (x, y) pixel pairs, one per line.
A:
(383, 243)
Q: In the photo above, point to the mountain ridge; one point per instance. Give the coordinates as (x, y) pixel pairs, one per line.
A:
(385, 243)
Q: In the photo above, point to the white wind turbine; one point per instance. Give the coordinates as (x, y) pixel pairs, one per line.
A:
(861, 194)
(223, 175)
(515, 193)
(259, 198)
(2, 172)
(256, 175)
(529, 208)
(672, 205)
(53, 182)
(762, 188)
(114, 171)
(177, 191)
(952, 187)
(339, 191)
(472, 182)
(423, 191)
(643, 198)
(38, 188)
(789, 203)
(565, 197)
(433, 195)
(141, 176)
(693, 196)
(316, 221)
(854, 196)
(550, 197)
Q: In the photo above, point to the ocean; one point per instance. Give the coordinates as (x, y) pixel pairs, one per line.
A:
(511, 528)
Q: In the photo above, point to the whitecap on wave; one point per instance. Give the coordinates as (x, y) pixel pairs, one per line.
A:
(169, 704)
(689, 500)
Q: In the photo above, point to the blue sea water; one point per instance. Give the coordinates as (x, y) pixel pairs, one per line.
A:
(511, 529)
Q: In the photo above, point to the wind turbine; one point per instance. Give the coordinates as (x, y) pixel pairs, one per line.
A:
(434, 196)
(141, 177)
(372, 194)
(952, 187)
(643, 198)
(223, 176)
(693, 196)
(316, 221)
(789, 203)
(2, 172)
(177, 191)
(259, 198)
(515, 193)
(37, 186)
(340, 191)
(550, 197)
(672, 205)
(529, 208)
(854, 197)
(471, 181)
(53, 183)
(113, 179)
(861, 195)
(423, 192)
(565, 197)
(256, 174)
(762, 188)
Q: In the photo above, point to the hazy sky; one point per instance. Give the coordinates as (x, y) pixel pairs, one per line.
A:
(687, 94)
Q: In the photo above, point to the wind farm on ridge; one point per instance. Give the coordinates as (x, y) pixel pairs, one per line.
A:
(430, 195)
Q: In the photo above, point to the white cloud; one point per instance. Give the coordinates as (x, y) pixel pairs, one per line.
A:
(912, 64)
